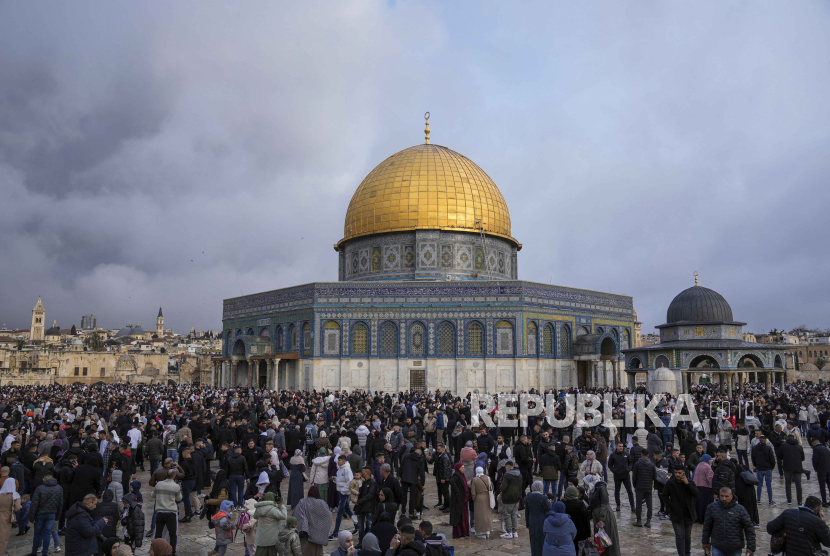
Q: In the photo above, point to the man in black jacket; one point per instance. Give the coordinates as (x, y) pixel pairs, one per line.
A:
(805, 527)
(792, 456)
(389, 481)
(47, 505)
(763, 457)
(726, 524)
(523, 454)
(723, 473)
(367, 498)
(619, 462)
(412, 476)
(442, 471)
(679, 495)
(643, 474)
(777, 437)
(821, 464)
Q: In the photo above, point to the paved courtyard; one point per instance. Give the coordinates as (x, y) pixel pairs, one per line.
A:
(196, 539)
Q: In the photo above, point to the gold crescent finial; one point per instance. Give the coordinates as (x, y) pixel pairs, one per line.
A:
(696, 278)
(426, 129)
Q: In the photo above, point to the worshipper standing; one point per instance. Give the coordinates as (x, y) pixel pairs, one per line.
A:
(746, 494)
(681, 495)
(313, 523)
(459, 495)
(560, 533)
(604, 518)
(9, 504)
(703, 482)
(480, 489)
(578, 512)
(319, 473)
(270, 515)
(537, 507)
(297, 478)
(290, 539)
(370, 546)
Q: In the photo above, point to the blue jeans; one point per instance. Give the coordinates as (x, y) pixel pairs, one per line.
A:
(364, 523)
(342, 508)
(604, 471)
(43, 532)
(760, 475)
(719, 552)
(172, 454)
(551, 485)
(187, 487)
(742, 459)
(154, 464)
(237, 484)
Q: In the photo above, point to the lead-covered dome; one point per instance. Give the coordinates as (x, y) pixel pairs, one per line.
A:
(427, 187)
(699, 304)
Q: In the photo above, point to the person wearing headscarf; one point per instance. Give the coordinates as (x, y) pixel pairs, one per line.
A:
(703, 482)
(9, 505)
(537, 507)
(604, 517)
(219, 492)
(578, 512)
(459, 496)
(160, 547)
(369, 546)
(297, 478)
(384, 531)
(109, 546)
(319, 473)
(290, 539)
(123, 550)
(313, 523)
(480, 489)
(223, 528)
(387, 504)
(257, 489)
(270, 515)
(560, 533)
(344, 541)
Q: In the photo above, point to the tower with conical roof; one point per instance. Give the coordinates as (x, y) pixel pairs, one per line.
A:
(36, 331)
(159, 324)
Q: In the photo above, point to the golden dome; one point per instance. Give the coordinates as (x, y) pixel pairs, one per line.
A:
(427, 187)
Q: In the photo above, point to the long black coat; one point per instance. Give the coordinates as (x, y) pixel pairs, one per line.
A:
(792, 456)
(458, 498)
(579, 514)
(86, 480)
(412, 471)
(108, 509)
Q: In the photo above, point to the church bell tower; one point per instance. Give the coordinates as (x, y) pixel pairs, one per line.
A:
(160, 324)
(38, 322)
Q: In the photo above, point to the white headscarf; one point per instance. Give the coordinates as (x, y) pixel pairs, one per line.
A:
(9, 488)
(262, 482)
(479, 471)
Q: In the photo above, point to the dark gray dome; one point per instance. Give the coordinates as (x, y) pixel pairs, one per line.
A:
(130, 330)
(699, 304)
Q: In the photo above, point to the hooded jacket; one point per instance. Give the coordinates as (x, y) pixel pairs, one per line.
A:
(725, 526)
(805, 531)
(117, 488)
(560, 532)
(134, 520)
(109, 509)
(47, 499)
(792, 455)
(511, 487)
(222, 522)
(82, 531)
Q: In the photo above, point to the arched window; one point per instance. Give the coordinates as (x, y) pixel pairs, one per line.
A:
(446, 340)
(661, 361)
(249, 331)
(565, 341)
(548, 345)
(504, 338)
(265, 332)
(581, 331)
(293, 340)
(600, 330)
(626, 339)
(360, 339)
(279, 338)
(388, 340)
(331, 338)
(306, 339)
(417, 339)
(475, 339)
(531, 338)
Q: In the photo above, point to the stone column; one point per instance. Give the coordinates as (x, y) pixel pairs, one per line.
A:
(770, 378)
(234, 369)
(270, 374)
(252, 364)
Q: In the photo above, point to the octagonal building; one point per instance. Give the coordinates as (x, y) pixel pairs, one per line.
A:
(428, 298)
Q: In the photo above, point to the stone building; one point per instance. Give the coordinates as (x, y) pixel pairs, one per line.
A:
(701, 342)
(38, 328)
(428, 298)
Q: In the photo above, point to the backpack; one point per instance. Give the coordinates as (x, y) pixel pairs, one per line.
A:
(242, 520)
(438, 549)
(309, 434)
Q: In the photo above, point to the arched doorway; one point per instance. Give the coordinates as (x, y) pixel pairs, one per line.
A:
(704, 379)
(661, 361)
(704, 362)
(262, 378)
(607, 349)
(242, 373)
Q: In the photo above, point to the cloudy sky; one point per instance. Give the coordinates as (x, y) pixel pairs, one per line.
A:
(176, 154)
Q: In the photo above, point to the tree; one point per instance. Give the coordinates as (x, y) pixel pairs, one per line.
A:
(73, 331)
(20, 344)
(822, 361)
(94, 342)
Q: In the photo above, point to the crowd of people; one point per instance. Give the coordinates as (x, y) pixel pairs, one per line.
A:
(314, 473)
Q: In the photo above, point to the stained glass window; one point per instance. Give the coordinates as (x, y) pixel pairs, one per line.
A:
(416, 339)
(531, 338)
(475, 339)
(388, 340)
(279, 337)
(548, 347)
(306, 339)
(360, 339)
(446, 339)
(504, 338)
(331, 338)
(565, 342)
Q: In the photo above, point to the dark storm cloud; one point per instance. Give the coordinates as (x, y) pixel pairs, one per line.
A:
(180, 154)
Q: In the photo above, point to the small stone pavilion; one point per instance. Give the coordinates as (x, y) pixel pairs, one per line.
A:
(700, 343)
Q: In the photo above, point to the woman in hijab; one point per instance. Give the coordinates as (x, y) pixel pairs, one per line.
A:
(703, 482)
(319, 474)
(109, 546)
(218, 494)
(257, 490)
(578, 512)
(746, 493)
(160, 547)
(604, 518)
(537, 507)
(270, 515)
(384, 531)
(560, 533)
(333, 496)
(344, 540)
(387, 504)
(480, 489)
(313, 523)
(9, 505)
(459, 495)
(296, 480)
(370, 546)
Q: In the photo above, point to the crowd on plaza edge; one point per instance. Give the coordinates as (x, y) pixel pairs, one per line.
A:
(239, 460)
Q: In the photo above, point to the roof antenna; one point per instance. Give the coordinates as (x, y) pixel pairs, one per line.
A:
(696, 278)
(426, 129)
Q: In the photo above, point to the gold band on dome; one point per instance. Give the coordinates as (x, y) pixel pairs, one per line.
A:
(427, 187)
